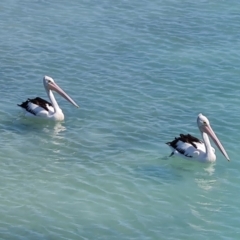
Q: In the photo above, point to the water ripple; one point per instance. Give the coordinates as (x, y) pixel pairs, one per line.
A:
(141, 72)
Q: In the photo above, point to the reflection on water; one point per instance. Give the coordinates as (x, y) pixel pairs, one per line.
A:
(210, 169)
(55, 129)
(205, 179)
(59, 128)
(206, 184)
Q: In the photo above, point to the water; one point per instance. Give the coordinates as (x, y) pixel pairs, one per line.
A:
(141, 71)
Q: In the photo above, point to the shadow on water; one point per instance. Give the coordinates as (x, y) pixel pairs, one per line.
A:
(25, 126)
(164, 173)
(172, 169)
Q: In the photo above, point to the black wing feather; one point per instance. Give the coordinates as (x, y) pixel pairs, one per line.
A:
(38, 101)
(187, 138)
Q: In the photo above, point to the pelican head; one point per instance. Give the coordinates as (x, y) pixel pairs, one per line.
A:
(204, 126)
(49, 84)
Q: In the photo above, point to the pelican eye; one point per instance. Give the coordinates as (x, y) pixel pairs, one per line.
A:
(205, 123)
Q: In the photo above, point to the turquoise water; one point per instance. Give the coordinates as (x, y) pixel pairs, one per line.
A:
(141, 72)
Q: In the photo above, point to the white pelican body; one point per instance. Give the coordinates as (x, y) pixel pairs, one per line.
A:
(40, 108)
(190, 147)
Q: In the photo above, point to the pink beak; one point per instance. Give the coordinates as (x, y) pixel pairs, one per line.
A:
(210, 132)
(55, 87)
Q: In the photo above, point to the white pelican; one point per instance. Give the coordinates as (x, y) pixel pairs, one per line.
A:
(40, 108)
(190, 147)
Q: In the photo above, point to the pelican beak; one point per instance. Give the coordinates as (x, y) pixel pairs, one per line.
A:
(56, 88)
(207, 129)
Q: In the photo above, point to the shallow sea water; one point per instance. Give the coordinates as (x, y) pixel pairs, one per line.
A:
(141, 72)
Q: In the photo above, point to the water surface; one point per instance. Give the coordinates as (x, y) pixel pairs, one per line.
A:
(141, 73)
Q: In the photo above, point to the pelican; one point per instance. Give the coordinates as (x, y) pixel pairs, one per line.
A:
(40, 108)
(189, 147)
